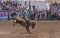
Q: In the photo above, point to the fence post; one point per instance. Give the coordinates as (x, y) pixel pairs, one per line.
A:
(8, 16)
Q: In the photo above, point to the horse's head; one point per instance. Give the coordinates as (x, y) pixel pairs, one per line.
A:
(33, 25)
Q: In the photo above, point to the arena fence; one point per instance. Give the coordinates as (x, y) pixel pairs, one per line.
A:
(6, 16)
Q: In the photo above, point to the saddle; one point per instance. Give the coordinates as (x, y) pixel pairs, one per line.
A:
(20, 18)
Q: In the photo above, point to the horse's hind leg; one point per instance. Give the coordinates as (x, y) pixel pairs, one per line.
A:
(27, 28)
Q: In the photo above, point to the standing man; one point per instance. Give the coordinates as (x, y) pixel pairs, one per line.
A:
(34, 12)
(29, 10)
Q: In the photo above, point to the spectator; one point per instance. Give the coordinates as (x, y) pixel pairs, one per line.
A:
(48, 14)
(43, 14)
(33, 7)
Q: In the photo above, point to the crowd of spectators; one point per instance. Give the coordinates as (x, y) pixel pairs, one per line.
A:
(22, 11)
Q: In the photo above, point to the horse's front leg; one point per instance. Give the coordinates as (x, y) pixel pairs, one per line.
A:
(27, 28)
(14, 22)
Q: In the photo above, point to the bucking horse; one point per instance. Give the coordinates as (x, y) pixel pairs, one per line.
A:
(23, 22)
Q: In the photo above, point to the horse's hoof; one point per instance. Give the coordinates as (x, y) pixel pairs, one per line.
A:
(29, 32)
(13, 25)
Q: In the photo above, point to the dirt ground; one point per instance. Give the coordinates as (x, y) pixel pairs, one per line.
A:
(43, 29)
